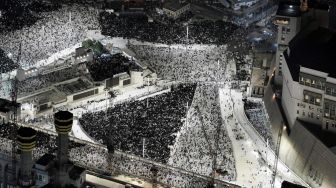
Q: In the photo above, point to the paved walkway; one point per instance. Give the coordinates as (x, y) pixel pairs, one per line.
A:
(266, 153)
(251, 171)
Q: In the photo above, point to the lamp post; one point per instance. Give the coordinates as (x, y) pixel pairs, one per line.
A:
(143, 147)
(106, 96)
(187, 122)
(147, 89)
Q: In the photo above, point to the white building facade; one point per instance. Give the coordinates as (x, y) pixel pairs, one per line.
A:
(309, 82)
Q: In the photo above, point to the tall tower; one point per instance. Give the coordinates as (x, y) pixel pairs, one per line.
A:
(26, 139)
(289, 22)
(63, 123)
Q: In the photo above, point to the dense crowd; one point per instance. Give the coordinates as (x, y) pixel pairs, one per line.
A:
(160, 130)
(55, 31)
(45, 143)
(90, 157)
(16, 14)
(82, 154)
(106, 66)
(203, 146)
(195, 64)
(98, 158)
(168, 31)
(131, 125)
(171, 177)
(258, 118)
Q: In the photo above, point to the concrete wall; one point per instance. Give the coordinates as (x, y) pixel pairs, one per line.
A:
(136, 77)
(290, 96)
(301, 151)
(309, 158)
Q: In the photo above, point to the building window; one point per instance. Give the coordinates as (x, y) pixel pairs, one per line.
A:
(306, 97)
(328, 90)
(303, 113)
(318, 117)
(312, 100)
(302, 79)
(308, 81)
(327, 125)
(297, 112)
(298, 104)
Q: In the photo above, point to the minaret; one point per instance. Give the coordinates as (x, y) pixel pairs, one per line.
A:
(63, 124)
(26, 139)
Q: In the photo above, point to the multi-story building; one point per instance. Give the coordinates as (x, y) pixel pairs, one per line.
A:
(233, 4)
(239, 12)
(83, 55)
(291, 18)
(175, 9)
(309, 78)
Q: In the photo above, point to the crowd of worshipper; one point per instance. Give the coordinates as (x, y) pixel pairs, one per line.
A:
(82, 154)
(104, 67)
(98, 158)
(167, 32)
(189, 65)
(255, 112)
(166, 175)
(122, 163)
(204, 146)
(130, 126)
(90, 156)
(56, 30)
(15, 14)
(79, 153)
(63, 26)
(45, 143)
